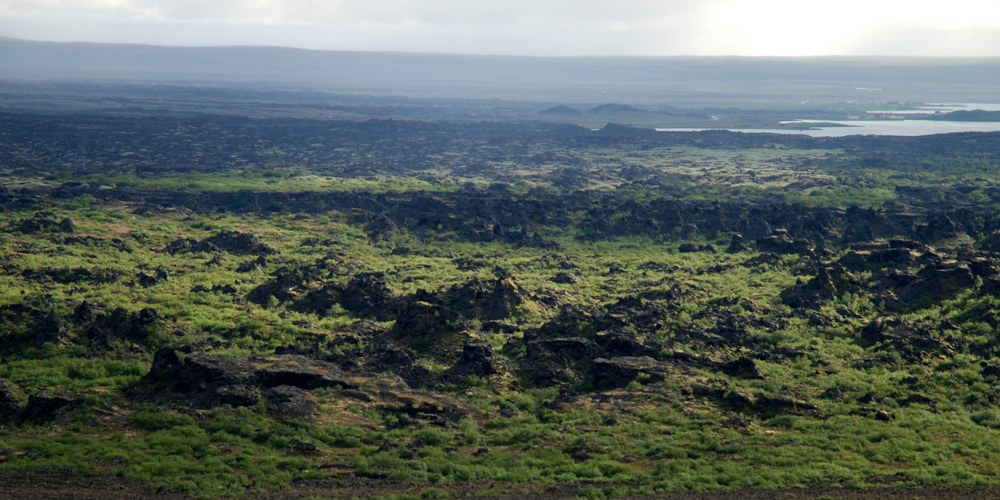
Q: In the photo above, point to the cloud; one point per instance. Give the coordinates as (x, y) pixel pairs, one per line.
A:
(966, 42)
(538, 27)
(373, 12)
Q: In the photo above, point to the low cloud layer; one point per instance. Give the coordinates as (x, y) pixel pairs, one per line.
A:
(539, 27)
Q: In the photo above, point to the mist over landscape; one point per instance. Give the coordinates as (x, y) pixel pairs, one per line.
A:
(677, 81)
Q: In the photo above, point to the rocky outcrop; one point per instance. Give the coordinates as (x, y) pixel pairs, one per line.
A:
(912, 341)
(238, 243)
(48, 405)
(893, 285)
(762, 405)
(368, 295)
(565, 349)
(202, 380)
(252, 265)
(438, 323)
(319, 301)
(555, 361)
(565, 279)
(876, 258)
(938, 227)
(782, 244)
(936, 283)
(772, 405)
(743, 367)
(181, 245)
(486, 299)
(45, 221)
(119, 324)
(49, 328)
(10, 403)
(65, 276)
(622, 370)
(736, 244)
(233, 242)
(402, 362)
(811, 294)
(477, 360)
(286, 401)
(146, 280)
(284, 384)
(282, 287)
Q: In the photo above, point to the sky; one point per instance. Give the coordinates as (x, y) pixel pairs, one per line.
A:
(966, 28)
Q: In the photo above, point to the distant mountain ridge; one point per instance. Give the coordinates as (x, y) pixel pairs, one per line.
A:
(639, 80)
(613, 109)
(560, 110)
(972, 115)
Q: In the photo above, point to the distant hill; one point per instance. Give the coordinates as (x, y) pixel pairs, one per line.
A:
(612, 113)
(656, 81)
(974, 115)
(560, 111)
(614, 109)
(623, 114)
(618, 130)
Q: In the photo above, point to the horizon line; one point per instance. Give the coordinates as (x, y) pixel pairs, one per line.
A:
(499, 55)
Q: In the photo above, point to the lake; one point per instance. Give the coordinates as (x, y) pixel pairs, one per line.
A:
(884, 127)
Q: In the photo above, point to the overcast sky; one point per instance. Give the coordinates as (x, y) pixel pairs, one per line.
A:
(529, 27)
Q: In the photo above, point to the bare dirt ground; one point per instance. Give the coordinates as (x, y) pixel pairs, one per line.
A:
(57, 484)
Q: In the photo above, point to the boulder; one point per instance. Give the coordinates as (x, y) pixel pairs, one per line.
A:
(812, 294)
(619, 343)
(914, 342)
(281, 287)
(203, 380)
(772, 405)
(287, 401)
(47, 405)
(368, 295)
(120, 324)
(49, 328)
(427, 326)
(563, 350)
(146, 280)
(181, 245)
(939, 226)
(318, 301)
(485, 299)
(252, 265)
(565, 279)
(736, 244)
(622, 370)
(400, 361)
(903, 291)
(84, 313)
(234, 242)
(40, 221)
(743, 367)
(284, 384)
(67, 226)
(10, 403)
(477, 360)
(782, 244)
(733, 328)
(687, 248)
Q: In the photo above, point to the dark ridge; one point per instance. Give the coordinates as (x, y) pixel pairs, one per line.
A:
(560, 110)
(613, 108)
(618, 130)
(974, 115)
